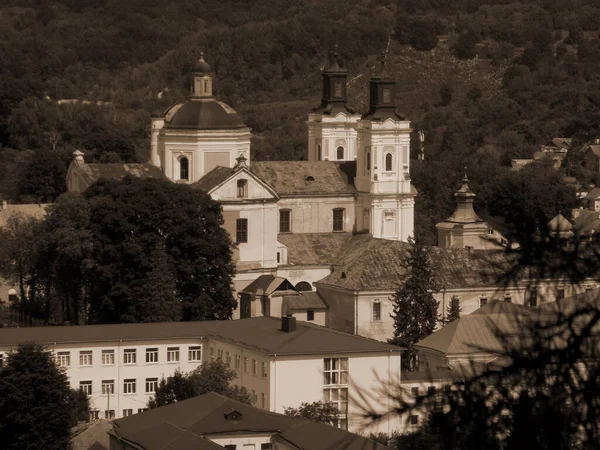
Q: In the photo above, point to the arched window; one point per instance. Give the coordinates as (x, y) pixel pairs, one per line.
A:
(304, 286)
(388, 162)
(368, 160)
(184, 169)
(319, 152)
(340, 152)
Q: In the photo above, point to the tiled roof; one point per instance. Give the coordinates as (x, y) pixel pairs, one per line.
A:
(308, 249)
(587, 221)
(116, 171)
(502, 307)
(427, 375)
(304, 301)
(299, 178)
(594, 193)
(267, 284)
(34, 210)
(261, 333)
(205, 415)
(595, 148)
(202, 114)
(213, 178)
(369, 264)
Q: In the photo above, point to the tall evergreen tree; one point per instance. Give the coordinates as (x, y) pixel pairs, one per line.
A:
(453, 310)
(415, 309)
(37, 407)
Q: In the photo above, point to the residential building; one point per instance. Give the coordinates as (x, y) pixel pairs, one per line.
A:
(591, 158)
(284, 363)
(213, 422)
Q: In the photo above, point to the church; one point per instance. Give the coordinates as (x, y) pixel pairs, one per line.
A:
(325, 239)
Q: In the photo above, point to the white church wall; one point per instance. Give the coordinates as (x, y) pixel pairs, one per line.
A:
(315, 214)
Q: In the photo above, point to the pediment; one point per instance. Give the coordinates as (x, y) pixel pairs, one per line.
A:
(256, 189)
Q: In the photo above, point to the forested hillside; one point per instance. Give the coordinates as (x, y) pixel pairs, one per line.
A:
(486, 80)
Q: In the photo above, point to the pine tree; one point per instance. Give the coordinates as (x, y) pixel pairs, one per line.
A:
(37, 407)
(415, 309)
(453, 310)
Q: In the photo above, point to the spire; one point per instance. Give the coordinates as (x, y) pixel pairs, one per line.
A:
(464, 212)
(334, 75)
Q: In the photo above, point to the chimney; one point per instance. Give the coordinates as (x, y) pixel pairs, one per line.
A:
(288, 324)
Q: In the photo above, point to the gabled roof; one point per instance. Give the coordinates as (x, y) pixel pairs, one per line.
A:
(213, 178)
(369, 264)
(587, 222)
(195, 420)
(304, 178)
(267, 285)
(115, 171)
(32, 210)
(260, 333)
(308, 249)
(594, 148)
(594, 194)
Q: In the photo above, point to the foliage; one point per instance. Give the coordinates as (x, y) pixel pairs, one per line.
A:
(414, 307)
(323, 412)
(453, 311)
(36, 404)
(465, 46)
(213, 376)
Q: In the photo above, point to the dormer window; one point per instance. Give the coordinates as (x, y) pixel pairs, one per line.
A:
(184, 168)
(340, 152)
(233, 415)
(242, 188)
(309, 178)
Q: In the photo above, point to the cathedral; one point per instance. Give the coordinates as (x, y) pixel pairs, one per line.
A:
(281, 214)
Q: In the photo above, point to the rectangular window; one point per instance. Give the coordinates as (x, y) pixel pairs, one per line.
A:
(108, 387)
(127, 412)
(310, 315)
(376, 311)
(337, 89)
(108, 357)
(238, 361)
(414, 391)
(560, 294)
(129, 386)
(63, 359)
(85, 358)
(338, 219)
(129, 356)
(482, 301)
(263, 400)
(254, 397)
(339, 398)
(141, 410)
(228, 359)
(1, 360)
(241, 231)
(220, 354)
(278, 257)
(242, 188)
(533, 297)
(254, 367)
(414, 419)
(431, 390)
(109, 413)
(151, 385)
(195, 353)
(264, 369)
(265, 446)
(172, 354)
(230, 447)
(212, 353)
(246, 365)
(508, 299)
(284, 221)
(86, 386)
(336, 371)
(151, 355)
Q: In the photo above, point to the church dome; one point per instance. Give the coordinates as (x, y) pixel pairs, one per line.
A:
(202, 114)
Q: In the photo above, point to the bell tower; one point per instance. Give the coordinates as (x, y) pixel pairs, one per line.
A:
(385, 206)
(331, 126)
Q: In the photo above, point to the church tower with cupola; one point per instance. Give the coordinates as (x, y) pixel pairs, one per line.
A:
(332, 125)
(193, 137)
(385, 206)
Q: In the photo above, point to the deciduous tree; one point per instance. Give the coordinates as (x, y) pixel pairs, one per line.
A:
(323, 412)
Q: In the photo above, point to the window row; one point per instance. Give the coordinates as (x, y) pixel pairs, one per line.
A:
(235, 361)
(130, 386)
(285, 220)
(194, 354)
(335, 371)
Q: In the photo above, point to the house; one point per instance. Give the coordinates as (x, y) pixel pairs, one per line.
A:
(591, 156)
(211, 421)
(283, 363)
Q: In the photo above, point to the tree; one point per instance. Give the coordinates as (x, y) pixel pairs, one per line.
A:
(415, 309)
(43, 179)
(214, 376)
(453, 311)
(323, 412)
(465, 47)
(37, 406)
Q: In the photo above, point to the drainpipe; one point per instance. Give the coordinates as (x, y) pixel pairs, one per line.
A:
(356, 312)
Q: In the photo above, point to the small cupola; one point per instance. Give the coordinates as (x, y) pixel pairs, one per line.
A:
(201, 82)
(464, 212)
(382, 97)
(241, 163)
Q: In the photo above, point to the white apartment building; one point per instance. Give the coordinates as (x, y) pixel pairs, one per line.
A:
(281, 362)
